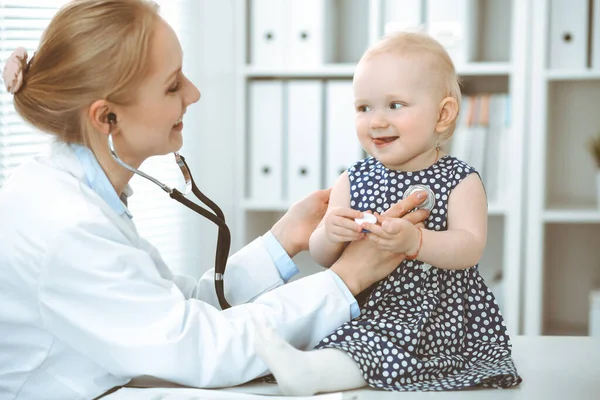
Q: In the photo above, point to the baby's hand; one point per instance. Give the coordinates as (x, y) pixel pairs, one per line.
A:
(340, 225)
(395, 234)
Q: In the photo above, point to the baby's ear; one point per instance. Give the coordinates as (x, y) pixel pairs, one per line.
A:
(447, 114)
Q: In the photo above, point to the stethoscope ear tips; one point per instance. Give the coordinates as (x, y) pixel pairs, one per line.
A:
(112, 118)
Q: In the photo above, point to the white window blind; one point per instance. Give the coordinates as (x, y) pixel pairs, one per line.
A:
(21, 25)
(159, 219)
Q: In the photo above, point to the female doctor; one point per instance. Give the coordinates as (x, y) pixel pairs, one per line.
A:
(87, 304)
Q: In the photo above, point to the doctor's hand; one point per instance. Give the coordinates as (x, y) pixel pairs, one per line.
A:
(363, 263)
(293, 230)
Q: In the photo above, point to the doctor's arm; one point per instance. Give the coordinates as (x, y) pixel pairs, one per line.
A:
(107, 300)
(265, 263)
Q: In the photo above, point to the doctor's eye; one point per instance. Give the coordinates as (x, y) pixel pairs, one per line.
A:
(363, 108)
(175, 87)
(396, 106)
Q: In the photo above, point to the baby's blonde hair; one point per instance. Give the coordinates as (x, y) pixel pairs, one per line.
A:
(417, 43)
(91, 50)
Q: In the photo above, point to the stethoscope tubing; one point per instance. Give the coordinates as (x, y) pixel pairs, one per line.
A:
(216, 216)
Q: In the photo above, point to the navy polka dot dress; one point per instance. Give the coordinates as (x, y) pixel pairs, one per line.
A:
(424, 328)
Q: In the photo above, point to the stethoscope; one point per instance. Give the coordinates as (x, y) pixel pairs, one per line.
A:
(218, 218)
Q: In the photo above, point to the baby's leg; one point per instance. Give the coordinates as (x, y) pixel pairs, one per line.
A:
(304, 373)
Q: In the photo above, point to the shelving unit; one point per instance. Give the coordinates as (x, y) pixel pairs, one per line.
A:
(563, 217)
(347, 71)
(500, 67)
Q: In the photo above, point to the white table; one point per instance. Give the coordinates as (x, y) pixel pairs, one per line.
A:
(552, 367)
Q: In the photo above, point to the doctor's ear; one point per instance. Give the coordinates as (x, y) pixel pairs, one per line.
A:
(101, 117)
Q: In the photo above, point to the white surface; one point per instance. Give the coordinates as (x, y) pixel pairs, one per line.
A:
(536, 165)
(595, 37)
(568, 34)
(266, 124)
(455, 25)
(572, 74)
(551, 367)
(585, 216)
(304, 128)
(400, 15)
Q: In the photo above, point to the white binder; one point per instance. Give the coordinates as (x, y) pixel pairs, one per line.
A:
(342, 147)
(454, 25)
(403, 15)
(309, 41)
(595, 61)
(267, 32)
(568, 34)
(304, 138)
(265, 141)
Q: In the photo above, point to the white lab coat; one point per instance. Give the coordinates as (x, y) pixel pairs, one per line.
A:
(87, 304)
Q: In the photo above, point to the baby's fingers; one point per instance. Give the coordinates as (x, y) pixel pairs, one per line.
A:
(346, 224)
(374, 229)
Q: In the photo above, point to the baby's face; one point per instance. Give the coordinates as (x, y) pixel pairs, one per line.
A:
(397, 104)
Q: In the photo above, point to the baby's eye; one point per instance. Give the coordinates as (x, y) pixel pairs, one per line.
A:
(363, 108)
(396, 106)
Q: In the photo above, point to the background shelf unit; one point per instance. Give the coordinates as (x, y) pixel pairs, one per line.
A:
(563, 215)
(347, 71)
(499, 66)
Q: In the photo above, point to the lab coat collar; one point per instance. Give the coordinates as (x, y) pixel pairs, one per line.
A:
(97, 180)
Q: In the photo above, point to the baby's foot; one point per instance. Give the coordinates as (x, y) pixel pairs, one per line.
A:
(291, 367)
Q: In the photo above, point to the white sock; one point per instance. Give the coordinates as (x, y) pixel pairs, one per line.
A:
(304, 373)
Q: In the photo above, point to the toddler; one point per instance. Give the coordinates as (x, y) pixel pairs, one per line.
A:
(433, 324)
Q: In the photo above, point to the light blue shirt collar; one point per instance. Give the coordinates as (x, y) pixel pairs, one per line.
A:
(97, 180)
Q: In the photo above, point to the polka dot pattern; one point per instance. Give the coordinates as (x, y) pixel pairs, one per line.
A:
(424, 328)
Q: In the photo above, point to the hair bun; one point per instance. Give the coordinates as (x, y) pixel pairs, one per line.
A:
(13, 70)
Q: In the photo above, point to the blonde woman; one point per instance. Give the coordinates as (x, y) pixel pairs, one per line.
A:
(87, 304)
(432, 324)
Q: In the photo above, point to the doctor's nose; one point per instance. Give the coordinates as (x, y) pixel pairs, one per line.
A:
(192, 94)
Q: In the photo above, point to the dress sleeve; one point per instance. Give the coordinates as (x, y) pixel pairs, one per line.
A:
(107, 300)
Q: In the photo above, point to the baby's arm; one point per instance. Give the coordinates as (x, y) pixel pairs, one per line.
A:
(323, 249)
(462, 245)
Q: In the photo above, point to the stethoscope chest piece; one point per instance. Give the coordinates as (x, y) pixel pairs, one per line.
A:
(429, 203)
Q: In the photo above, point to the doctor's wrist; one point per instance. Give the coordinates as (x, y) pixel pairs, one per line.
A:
(285, 240)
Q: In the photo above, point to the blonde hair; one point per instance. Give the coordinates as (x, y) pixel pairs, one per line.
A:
(91, 50)
(417, 43)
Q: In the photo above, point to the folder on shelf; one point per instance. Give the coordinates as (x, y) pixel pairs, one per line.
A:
(267, 32)
(455, 25)
(265, 141)
(342, 147)
(310, 41)
(459, 141)
(568, 38)
(304, 138)
(478, 134)
(403, 15)
(495, 164)
(595, 45)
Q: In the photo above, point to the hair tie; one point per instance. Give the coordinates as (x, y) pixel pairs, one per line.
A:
(13, 70)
